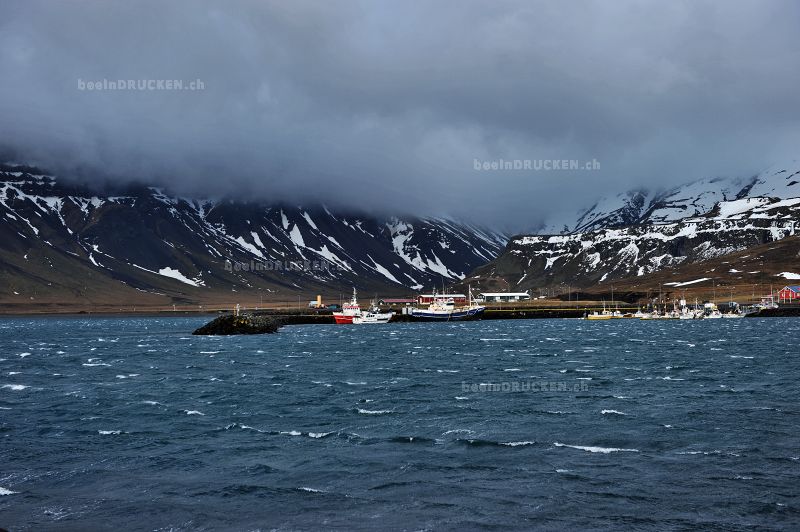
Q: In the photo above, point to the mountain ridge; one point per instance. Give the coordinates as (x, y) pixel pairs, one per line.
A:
(637, 233)
(148, 240)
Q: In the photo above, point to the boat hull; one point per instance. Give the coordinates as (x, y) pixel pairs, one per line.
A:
(373, 317)
(456, 315)
(342, 319)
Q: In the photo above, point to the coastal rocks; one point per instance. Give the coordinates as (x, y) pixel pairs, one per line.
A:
(241, 324)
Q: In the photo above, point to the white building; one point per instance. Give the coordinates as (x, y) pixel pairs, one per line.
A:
(497, 297)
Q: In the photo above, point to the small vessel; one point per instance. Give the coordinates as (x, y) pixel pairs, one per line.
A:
(605, 315)
(443, 308)
(711, 312)
(373, 315)
(350, 310)
(352, 313)
(733, 314)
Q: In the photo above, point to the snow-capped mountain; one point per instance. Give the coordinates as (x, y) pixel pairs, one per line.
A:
(639, 232)
(57, 235)
(692, 199)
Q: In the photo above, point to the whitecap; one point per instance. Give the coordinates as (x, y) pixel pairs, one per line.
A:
(209, 352)
(15, 387)
(23, 355)
(107, 432)
(354, 383)
(248, 427)
(310, 490)
(457, 431)
(461, 398)
(5, 491)
(603, 450)
(318, 434)
(374, 412)
(292, 433)
(193, 413)
(518, 443)
(707, 453)
(615, 412)
(14, 372)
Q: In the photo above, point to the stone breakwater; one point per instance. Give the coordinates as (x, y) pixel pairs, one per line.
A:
(241, 324)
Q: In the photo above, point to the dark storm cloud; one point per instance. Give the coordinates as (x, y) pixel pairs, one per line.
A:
(388, 104)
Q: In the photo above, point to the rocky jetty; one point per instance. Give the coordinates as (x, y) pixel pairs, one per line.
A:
(241, 324)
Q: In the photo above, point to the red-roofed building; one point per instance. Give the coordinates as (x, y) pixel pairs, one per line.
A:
(789, 294)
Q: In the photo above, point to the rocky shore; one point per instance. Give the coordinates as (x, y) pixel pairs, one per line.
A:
(241, 324)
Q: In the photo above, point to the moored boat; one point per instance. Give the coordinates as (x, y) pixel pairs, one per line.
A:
(443, 308)
(352, 313)
(350, 310)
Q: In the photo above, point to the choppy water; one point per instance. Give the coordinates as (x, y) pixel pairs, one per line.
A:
(132, 423)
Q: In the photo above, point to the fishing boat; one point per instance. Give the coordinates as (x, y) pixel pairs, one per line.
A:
(352, 313)
(373, 315)
(605, 314)
(711, 312)
(733, 314)
(443, 308)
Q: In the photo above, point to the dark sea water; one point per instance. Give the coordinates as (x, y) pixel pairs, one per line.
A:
(133, 424)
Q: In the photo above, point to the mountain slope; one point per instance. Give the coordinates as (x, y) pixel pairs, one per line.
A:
(61, 241)
(638, 233)
(689, 200)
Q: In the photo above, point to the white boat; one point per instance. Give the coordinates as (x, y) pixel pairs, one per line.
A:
(373, 315)
(730, 315)
(352, 313)
(711, 312)
(443, 308)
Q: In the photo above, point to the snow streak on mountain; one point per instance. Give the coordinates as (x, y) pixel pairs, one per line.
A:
(56, 236)
(640, 232)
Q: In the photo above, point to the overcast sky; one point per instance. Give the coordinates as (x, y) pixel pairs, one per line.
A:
(389, 104)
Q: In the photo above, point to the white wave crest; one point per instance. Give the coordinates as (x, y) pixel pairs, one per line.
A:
(603, 450)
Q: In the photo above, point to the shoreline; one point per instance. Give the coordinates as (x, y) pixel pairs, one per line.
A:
(306, 317)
